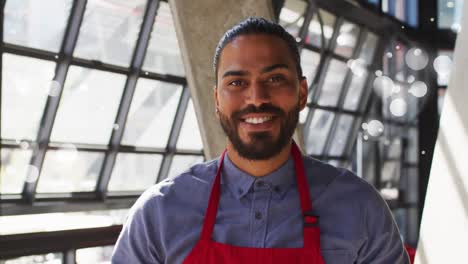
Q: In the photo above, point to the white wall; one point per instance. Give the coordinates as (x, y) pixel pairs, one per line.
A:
(444, 228)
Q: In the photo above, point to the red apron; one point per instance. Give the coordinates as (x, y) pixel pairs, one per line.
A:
(209, 251)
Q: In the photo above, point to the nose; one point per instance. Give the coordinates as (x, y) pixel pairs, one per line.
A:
(258, 94)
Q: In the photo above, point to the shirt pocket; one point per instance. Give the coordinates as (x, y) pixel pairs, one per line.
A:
(337, 256)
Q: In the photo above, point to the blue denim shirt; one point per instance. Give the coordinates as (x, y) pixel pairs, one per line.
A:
(356, 226)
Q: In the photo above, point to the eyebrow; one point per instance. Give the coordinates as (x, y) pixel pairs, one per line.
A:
(274, 67)
(264, 70)
(234, 73)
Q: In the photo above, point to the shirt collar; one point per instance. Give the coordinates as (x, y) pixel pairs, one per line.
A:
(240, 182)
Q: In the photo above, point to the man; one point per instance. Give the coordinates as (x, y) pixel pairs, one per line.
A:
(261, 201)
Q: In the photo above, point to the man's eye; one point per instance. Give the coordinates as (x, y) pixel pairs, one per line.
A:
(236, 83)
(277, 78)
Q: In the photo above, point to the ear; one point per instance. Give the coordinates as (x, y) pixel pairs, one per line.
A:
(215, 94)
(303, 93)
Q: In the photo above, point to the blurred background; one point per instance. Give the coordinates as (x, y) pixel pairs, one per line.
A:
(95, 108)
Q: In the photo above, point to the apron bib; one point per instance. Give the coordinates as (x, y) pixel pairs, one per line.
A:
(208, 251)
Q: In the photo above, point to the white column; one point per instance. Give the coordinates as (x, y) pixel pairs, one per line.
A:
(444, 228)
(199, 26)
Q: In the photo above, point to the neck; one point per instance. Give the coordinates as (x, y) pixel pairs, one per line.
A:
(259, 168)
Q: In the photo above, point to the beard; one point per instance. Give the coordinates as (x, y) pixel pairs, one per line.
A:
(262, 145)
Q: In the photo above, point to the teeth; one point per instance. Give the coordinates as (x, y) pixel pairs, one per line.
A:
(257, 120)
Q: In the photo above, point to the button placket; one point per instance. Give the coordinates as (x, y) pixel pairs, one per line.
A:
(259, 217)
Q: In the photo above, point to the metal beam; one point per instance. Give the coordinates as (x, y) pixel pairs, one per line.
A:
(66, 205)
(321, 72)
(174, 135)
(342, 95)
(2, 17)
(129, 90)
(50, 111)
(57, 241)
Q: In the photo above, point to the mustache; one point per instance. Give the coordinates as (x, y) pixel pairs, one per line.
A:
(252, 109)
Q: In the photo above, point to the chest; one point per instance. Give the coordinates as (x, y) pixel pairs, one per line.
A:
(260, 220)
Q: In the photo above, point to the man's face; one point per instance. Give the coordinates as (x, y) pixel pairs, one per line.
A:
(259, 95)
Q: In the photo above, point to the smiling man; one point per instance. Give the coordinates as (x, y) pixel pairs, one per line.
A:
(261, 201)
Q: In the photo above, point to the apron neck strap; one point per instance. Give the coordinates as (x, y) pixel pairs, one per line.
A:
(303, 188)
(210, 216)
(301, 179)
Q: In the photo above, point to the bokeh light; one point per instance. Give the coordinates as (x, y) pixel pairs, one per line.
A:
(398, 107)
(443, 65)
(416, 59)
(358, 67)
(375, 128)
(54, 88)
(383, 86)
(418, 89)
(67, 154)
(32, 173)
(24, 144)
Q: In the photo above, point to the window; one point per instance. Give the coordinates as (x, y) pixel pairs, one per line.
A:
(109, 31)
(88, 106)
(163, 53)
(26, 20)
(151, 113)
(449, 14)
(26, 83)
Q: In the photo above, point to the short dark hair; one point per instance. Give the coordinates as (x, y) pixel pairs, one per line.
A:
(256, 25)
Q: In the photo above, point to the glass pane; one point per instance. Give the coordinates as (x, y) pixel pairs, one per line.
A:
(309, 63)
(134, 172)
(68, 170)
(14, 169)
(346, 40)
(369, 151)
(450, 14)
(163, 53)
(393, 149)
(152, 113)
(97, 255)
(412, 152)
(25, 22)
(314, 36)
(181, 163)
(189, 137)
(88, 106)
(391, 173)
(291, 16)
(354, 94)
(25, 85)
(342, 135)
(412, 175)
(49, 258)
(368, 48)
(331, 87)
(318, 131)
(33, 223)
(403, 10)
(109, 30)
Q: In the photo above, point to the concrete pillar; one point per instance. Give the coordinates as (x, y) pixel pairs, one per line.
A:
(199, 26)
(444, 227)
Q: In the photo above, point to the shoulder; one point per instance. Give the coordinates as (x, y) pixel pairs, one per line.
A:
(339, 182)
(189, 183)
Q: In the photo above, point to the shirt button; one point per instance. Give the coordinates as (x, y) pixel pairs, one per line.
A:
(258, 215)
(239, 191)
(260, 183)
(277, 189)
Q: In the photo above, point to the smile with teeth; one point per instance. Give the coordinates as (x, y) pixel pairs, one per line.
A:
(258, 120)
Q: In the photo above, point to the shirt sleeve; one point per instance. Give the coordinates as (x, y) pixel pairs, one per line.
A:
(138, 241)
(383, 244)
